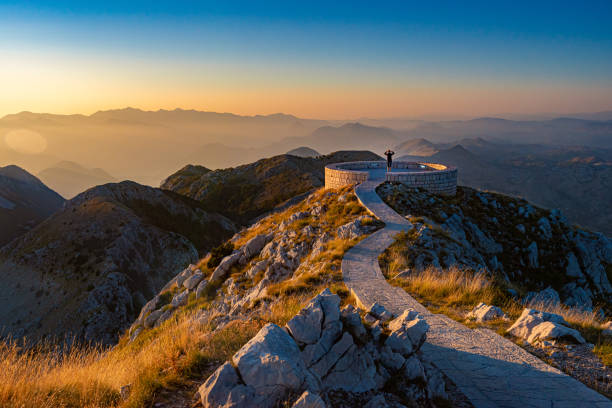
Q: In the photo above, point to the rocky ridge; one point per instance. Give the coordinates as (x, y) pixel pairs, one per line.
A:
(536, 252)
(283, 253)
(246, 192)
(88, 269)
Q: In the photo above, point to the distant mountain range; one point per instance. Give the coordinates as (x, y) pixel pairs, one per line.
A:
(24, 202)
(70, 178)
(576, 179)
(145, 146)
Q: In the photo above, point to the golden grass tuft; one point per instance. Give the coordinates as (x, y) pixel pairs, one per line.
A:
(84, 376)
(453, 286)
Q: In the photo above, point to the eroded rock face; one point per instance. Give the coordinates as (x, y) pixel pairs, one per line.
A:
(317, 353)
(534, 327)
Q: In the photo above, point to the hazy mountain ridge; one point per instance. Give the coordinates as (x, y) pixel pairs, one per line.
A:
(86, 270)
(24, 202)
(576, 179)
(70, 179)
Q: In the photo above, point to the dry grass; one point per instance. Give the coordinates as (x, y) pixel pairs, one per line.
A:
(453, 286)
(91, 377)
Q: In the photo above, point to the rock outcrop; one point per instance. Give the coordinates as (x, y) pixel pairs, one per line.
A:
(535, 327)
(530, 248)
(321, 350)
(483, 313)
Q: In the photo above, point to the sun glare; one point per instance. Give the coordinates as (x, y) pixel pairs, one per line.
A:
(26, 141)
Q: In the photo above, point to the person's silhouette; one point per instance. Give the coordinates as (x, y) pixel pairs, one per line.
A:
(389, 154)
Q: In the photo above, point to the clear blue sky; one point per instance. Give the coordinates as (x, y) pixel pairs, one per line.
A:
(312, 58)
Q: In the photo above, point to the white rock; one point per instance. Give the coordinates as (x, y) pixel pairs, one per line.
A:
(322, 367)
(352, 321)
(226, 264)
(573, 268)
(408, 333)
(150, 320)
(547, 296)
(305, 327)
(483, 313)
(314, 352)
(350, 230)
(309, 400)
(270, 363)
(254, 246)
(193, 280)
(554, 331)
(534, 326)
(380, 313)
(217, 389)
(200, 289)
(180, 299)
(413, 368)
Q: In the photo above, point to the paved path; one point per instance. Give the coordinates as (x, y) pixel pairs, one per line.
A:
(490, 370)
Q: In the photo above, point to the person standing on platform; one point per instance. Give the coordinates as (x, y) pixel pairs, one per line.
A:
(389, 154)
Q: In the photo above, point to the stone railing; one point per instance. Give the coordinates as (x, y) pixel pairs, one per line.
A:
(434, 177)
(341, 174)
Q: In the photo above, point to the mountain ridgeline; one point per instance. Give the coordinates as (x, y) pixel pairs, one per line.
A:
(87, 269)
(246, 192)
(24, 202)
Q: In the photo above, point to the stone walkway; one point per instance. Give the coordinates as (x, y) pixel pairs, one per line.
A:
(490, 370)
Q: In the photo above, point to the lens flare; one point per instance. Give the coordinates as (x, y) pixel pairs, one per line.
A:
(25, 141)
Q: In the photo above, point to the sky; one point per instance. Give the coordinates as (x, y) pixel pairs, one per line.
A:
(328, 60)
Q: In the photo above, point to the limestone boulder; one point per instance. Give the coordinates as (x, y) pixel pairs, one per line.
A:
(201, 288)
(532, 255)
(350, 230)
(270, 363)
(483, 313)
(224, 389)
(193, 280)
(180, 299)
(408, 332)
(352, 321)
(150, 320)
(547, 331)
(379, 312)
(254, 246)
(535, 326)
(226, 264)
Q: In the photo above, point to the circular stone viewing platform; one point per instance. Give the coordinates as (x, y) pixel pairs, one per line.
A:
(437, 178)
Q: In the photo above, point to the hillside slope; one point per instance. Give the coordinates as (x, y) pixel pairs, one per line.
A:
(86, 270)
(24, 202)
(526, 247)
(245, 192)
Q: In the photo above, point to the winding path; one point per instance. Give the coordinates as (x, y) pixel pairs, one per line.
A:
(490, 370)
